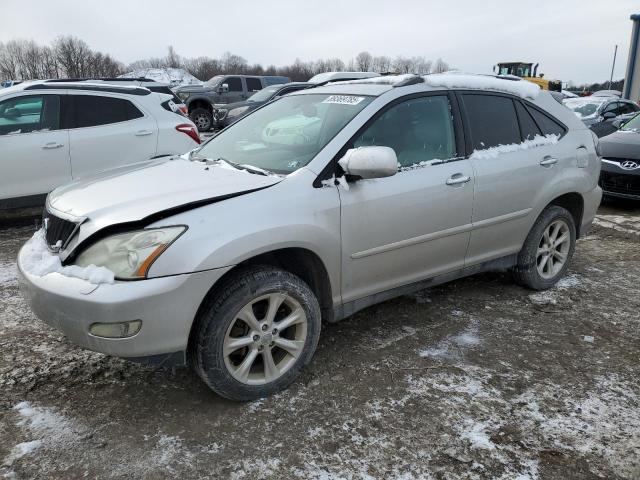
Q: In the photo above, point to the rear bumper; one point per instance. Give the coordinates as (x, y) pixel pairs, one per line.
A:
(592, 201)
(167, 307)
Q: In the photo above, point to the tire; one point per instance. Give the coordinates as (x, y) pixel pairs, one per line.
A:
(527, 271)
(202, 118)
(225, 319)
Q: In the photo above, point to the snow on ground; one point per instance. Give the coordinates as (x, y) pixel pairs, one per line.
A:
(521, 88)
(8, 272)
(39, 261)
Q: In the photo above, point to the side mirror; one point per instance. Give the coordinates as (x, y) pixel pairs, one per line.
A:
(224, 88)
(608, 115)
(11, 113)
(370, 162)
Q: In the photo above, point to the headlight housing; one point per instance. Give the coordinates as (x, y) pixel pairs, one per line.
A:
(183, 95)
(130, 255)
(237, 111)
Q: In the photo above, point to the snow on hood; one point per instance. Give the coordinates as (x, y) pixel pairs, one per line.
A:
(174, 77)
(522, 88)
(137, 191)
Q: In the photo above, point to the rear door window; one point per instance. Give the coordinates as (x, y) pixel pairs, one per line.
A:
(547, 125)
(234, 83)
(492, 120)
(94, 110)
(253, 84)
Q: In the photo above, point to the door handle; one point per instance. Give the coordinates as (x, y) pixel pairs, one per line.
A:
(52, 145)
(143, 133)
(457, 179)
(548, 161)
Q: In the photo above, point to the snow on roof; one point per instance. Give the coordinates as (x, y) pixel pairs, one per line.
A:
(172, 76)
(381, 80)
(521, 88)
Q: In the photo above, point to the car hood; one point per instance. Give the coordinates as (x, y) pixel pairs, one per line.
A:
(230, 106)
(143, 191)
(621, 144)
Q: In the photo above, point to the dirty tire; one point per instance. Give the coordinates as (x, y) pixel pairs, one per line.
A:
(526, 271)
(221, 310)
(202, 118)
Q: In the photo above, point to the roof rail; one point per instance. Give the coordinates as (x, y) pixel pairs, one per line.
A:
(92, 88)
(102, 79)
(409, 81)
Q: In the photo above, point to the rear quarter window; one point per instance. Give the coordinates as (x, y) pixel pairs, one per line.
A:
(547, 125)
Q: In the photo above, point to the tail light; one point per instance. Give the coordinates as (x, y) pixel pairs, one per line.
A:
(190, 130)
(183, 108)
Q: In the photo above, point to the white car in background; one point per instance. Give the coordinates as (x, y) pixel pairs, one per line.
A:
(54, 132)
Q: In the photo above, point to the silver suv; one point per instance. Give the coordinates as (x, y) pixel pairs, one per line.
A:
(309, 209)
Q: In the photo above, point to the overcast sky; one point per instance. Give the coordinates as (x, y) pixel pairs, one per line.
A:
(572, 39)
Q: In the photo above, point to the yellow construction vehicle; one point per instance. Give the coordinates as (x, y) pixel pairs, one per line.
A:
(527, 71)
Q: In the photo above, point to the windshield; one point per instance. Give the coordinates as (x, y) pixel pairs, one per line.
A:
(286, 134)
(632, 125)
(264, 94)
(584, 107)
(213, 81)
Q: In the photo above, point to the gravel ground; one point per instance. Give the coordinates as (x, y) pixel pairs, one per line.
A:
(475, 379)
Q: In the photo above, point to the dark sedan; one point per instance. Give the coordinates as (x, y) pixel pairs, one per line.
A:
(620, 175)
(598, 113)
(226, 114)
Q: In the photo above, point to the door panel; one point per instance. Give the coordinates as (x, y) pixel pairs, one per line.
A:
(33, 163)
(34, 152)
(404, 228)
(415, 224)
(100, 147)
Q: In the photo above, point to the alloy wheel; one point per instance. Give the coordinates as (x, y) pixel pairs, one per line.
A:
(265, 339)
(553, 249)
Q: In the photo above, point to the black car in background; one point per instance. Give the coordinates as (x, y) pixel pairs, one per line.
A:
(599, 112)
(620, 174)
(226, 114)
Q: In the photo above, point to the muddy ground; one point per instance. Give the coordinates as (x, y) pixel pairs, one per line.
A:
(475, 379)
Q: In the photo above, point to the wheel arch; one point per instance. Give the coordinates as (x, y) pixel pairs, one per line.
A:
(299, 261)
(200, 103)
(574, 203)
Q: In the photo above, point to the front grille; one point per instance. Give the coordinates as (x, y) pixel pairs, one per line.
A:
(617, 183)
(57, 230)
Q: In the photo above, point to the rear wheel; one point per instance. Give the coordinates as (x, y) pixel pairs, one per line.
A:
(256, 334)
(202, 118)
(546, 252)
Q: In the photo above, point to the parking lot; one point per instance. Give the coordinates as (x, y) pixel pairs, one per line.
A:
(475, 379)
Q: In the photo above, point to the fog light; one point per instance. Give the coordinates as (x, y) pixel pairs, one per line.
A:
(116, 330)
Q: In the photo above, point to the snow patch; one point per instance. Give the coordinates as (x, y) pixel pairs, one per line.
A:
(522, 88)
(22, 449)
(8, 273)
(382, 80)
(174, 77)
(477, 436)
(39, 261)
(494, 152)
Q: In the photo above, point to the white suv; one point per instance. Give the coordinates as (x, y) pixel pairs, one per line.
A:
(55, 132)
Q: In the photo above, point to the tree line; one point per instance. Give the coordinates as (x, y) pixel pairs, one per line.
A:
(71, 57)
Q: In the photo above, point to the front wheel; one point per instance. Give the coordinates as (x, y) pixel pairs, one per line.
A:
(202, 118)
(256, 334)
(546, 252)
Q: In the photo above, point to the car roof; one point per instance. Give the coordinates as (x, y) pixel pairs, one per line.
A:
(334, 76)
(86, 86)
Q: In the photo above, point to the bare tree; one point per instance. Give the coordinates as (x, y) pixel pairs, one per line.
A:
(364, 61)
(440, 66)
(173, 59)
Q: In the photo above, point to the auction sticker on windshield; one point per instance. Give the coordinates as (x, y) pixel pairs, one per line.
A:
(343, 99)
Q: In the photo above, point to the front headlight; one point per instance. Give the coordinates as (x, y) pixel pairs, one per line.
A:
(130, 255)
(183, 95)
